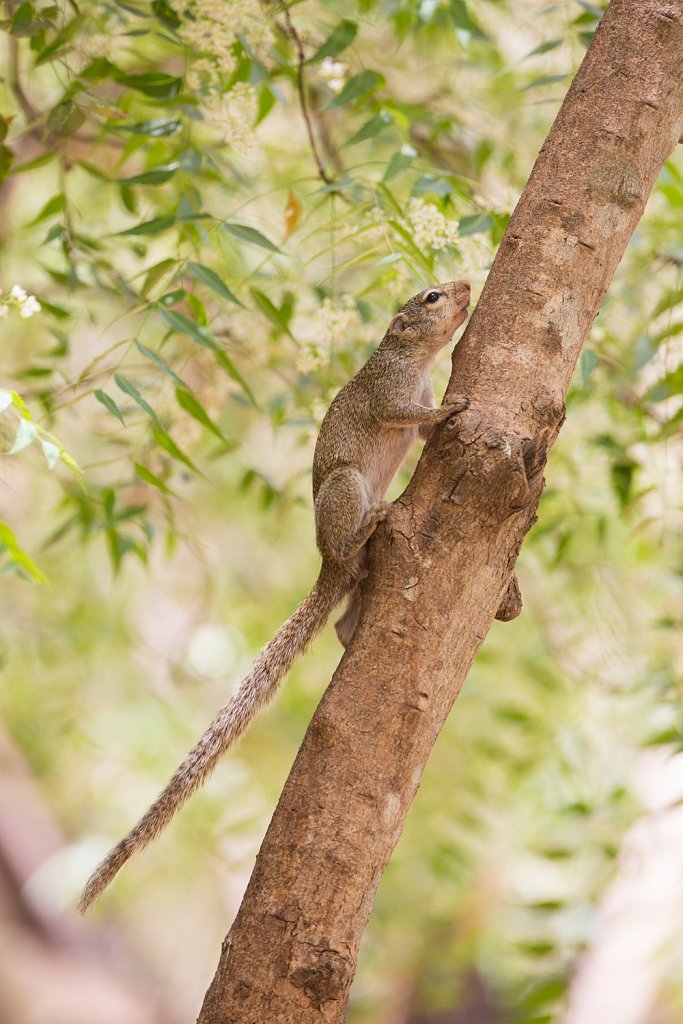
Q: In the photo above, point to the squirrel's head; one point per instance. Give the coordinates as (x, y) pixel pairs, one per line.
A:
(428, 320)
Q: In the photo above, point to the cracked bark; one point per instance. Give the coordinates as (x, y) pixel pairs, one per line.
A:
(443, 561)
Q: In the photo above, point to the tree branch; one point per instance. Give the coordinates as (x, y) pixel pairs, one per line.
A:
(442, 561)
(303, 99)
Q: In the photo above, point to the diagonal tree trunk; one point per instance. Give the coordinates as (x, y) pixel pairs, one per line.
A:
(442, 562)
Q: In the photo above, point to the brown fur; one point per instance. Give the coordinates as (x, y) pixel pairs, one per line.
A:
(364, 438)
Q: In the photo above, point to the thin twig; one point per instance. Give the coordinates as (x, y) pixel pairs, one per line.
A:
(301, 87)
(32, 114)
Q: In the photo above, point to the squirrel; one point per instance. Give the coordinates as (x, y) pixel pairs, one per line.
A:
(364, 438)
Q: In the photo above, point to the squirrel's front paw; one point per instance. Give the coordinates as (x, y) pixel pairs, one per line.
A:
(451, 408)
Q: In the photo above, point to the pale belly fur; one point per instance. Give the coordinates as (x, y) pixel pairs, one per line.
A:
(380, 471)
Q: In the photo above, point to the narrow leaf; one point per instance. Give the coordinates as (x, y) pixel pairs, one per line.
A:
(203, 336)
(18, 555)
(129, 388)
(251, 235)
(401, 159)
(150, 227)
(588, 362)
(183, 325)
(151, 478)
(158, 361)
(189, 403)
(156, 128)
(542, 80)
(211, 279)
(166, 442)
(154, 176)
(341, 37)
(360, 85)
(371, 128)
(109, 404)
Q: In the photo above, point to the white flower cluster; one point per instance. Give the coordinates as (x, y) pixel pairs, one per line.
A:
(430, 228)
(332, 322)
(476, 255)
(104, 43)
(212, 27)
(335, 319)
(333, 73)
(26, 304)
(232, 115)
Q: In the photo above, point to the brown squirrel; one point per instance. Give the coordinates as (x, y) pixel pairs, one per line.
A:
(364, 438)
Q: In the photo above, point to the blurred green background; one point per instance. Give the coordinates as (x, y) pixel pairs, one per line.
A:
(207, 280)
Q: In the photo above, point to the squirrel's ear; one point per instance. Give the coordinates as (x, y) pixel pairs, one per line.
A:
(399, 325)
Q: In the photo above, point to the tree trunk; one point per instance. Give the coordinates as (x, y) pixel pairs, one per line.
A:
(441, 564)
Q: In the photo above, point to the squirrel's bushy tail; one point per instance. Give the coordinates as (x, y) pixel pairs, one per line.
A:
(256, 689)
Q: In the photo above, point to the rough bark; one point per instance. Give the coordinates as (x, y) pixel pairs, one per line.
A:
(442, 563)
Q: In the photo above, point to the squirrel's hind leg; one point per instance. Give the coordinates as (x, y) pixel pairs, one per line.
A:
(345, 517)
(346, 625)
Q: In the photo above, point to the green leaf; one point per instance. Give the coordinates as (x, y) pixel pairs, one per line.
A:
(669, 386)
(341, 37)
(18, 555)
(154, 176)
(552, 44)
(39, 161)
(668, 301)
(165, 13)
(371, 128)
(150, 227)
(166, 442)
(52, 206)
(463, 20)
(588, 362)
(203, 336)
(251, 235)
(275, 315)
(151, 478)
(6, 161)
(475, 224)
(211, 279)
(109, 404)
(158, 361)
(24, 21)
(401, 159)
(156, 128)
(183, 325)
(154, 275)
(542, 80)
(157, 84)
(360, 85)
(129, 388)
(64, 119)
(191, 405)
(592, 9)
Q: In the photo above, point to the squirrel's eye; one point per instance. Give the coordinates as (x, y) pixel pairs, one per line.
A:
(433, 297)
